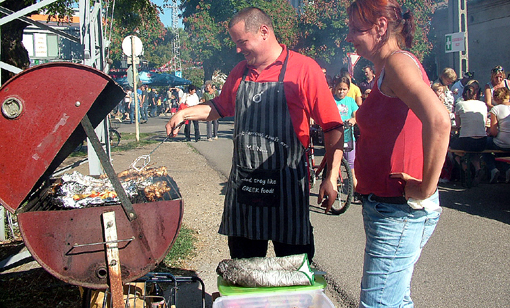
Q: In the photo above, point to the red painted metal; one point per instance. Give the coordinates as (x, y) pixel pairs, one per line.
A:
(51, 235)
(54, 97)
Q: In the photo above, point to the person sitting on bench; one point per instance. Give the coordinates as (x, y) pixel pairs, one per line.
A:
(499, 132)
(471, 116)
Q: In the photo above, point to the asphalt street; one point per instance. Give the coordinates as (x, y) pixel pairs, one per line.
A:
(465, 263)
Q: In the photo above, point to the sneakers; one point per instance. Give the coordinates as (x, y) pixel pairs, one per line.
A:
(494, 176)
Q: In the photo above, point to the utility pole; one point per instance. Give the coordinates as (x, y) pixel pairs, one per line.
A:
(459, 24)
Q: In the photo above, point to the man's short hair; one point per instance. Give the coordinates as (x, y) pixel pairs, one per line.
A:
(369, 67)
(191, 88)
(253, 19)
(208, 82)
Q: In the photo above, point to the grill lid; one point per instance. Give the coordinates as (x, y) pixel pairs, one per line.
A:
(40, 122)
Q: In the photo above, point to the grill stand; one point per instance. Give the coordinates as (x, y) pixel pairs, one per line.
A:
(112, 257)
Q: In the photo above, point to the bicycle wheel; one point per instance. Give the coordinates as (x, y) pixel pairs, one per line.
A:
(114, 138)
(345, 189)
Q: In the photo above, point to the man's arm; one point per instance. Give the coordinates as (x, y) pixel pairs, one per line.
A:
(334, 144)
(202, 112)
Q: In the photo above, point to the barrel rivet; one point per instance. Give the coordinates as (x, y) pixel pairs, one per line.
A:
(77, 104)
(12, 107)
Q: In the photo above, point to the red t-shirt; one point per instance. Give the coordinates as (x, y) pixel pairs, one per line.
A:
(306, 91)
(390, 141)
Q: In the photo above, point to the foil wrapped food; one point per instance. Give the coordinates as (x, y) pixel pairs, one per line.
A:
(76, 190)
(291, 270)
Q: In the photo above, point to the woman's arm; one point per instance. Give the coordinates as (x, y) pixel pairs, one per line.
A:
(493, 130)
(403, 79)
(488, 97)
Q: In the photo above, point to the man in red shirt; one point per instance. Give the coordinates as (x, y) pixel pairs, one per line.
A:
(273, 94)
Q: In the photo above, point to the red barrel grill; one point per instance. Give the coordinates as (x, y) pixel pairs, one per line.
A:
(47, 111)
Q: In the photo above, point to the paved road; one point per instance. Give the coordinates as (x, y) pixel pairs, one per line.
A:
(465, 264)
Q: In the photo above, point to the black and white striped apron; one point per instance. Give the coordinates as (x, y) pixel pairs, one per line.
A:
(267, 194)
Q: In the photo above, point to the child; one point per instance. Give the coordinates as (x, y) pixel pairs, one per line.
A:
(499, 132)
(439, 89)
(347, 108)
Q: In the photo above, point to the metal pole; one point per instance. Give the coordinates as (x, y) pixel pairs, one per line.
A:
(135, 88)
(463, 27)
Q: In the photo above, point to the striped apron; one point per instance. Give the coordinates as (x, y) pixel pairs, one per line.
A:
(267, 194)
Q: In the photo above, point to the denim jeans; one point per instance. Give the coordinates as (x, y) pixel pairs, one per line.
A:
(395, 236)
(143, 112)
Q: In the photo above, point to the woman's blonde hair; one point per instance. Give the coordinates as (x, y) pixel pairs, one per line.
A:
(502, 94)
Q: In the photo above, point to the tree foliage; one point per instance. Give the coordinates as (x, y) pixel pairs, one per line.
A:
(140, 18)
(323, 26)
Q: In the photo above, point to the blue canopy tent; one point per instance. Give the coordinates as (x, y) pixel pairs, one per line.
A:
(156, 80)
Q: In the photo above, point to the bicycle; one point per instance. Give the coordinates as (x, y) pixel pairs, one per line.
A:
(113, 134)
(345, 187)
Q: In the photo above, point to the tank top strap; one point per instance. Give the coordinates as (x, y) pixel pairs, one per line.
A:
(407, 53)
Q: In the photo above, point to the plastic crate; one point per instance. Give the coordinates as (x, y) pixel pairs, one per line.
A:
(301, 299)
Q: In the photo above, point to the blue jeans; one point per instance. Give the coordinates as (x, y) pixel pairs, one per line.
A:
(143, 112)
(395, 236)
(132, 114)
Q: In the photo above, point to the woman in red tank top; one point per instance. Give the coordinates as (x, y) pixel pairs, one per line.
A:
(404, 131)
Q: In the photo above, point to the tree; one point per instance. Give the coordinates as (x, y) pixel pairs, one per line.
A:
(206, 24)
(140, 18)
(323, 28)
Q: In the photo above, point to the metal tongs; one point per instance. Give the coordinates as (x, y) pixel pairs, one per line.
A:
(146, 159)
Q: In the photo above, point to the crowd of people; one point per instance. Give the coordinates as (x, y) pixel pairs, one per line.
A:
(153, 103)
(479, 117)
(480, 121)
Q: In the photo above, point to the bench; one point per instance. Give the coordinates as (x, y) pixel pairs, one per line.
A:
(503, 159)
(465, 157)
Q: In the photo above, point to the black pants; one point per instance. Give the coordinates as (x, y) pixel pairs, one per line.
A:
(187, 131)
(241, 247)
(197, 130)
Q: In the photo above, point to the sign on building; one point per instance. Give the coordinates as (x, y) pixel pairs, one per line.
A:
(41, 48)
(454, 42)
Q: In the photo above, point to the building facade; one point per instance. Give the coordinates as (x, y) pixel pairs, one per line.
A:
(44, 46)
(488, 36)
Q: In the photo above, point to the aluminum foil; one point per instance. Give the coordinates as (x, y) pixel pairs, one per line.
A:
(78, 190)
(267, 272)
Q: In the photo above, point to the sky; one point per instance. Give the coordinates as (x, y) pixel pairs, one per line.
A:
(166, 18)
